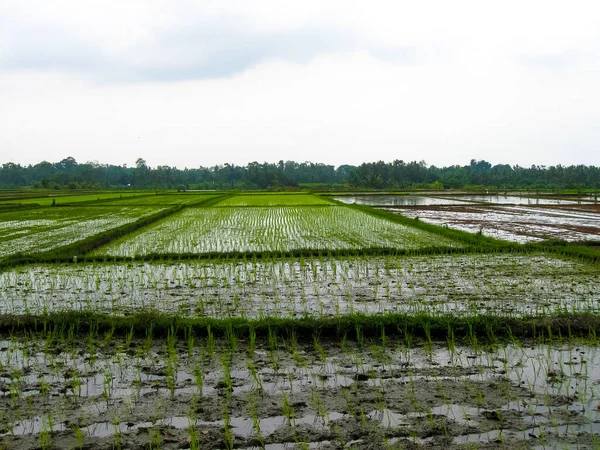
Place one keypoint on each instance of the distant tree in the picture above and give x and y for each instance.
(68, 173)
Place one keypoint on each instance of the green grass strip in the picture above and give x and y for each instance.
(481, 328)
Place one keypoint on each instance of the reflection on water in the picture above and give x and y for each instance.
(515, 200)
(398, 200)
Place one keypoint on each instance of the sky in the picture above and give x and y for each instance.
(199, 83)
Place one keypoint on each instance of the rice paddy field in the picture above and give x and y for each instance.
(290, 321)
(39, 230)
(512, 217)
(309, 287)
(520, 200)
(49, 199)
(162, 200)
(440, 199)
(398, 200)
(225, 229)
(274, 200)
(515, 223)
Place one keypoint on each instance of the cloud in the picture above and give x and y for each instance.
(188, 83)
(211, 51)
(197, 47)
(45, 48)
(347, 108)
(200, 52)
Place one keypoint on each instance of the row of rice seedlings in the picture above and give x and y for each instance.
(41, 230)
(469, 285)
(280, 229)
(544, 383)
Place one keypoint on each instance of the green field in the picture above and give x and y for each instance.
(274, 200)
(49, 199)
(163, 200)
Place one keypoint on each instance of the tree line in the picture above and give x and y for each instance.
(70, 174)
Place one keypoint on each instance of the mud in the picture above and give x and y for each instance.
(399, 200)
(522, 200)
(437, 199)
(595, 207)
(111, 392)
(508, 285)
(515, 223)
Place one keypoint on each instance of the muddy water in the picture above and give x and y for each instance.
(519, 200)
(104, 392)
(510, 285)
(514, 223)
(399, 200)
(440, 199)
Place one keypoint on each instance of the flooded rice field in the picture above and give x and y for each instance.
(522, 200)
(447, 199)
(504, 284)
(515, 223)
(39, 230)
(191, 392)
(270, 229)
(398, 200)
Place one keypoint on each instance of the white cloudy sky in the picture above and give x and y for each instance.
(190, 83)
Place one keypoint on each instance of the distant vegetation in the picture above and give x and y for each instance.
(70, 174)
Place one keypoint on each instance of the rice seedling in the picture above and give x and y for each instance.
(274, 229)
(42, 230)
(270, 289)
(414, 345)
